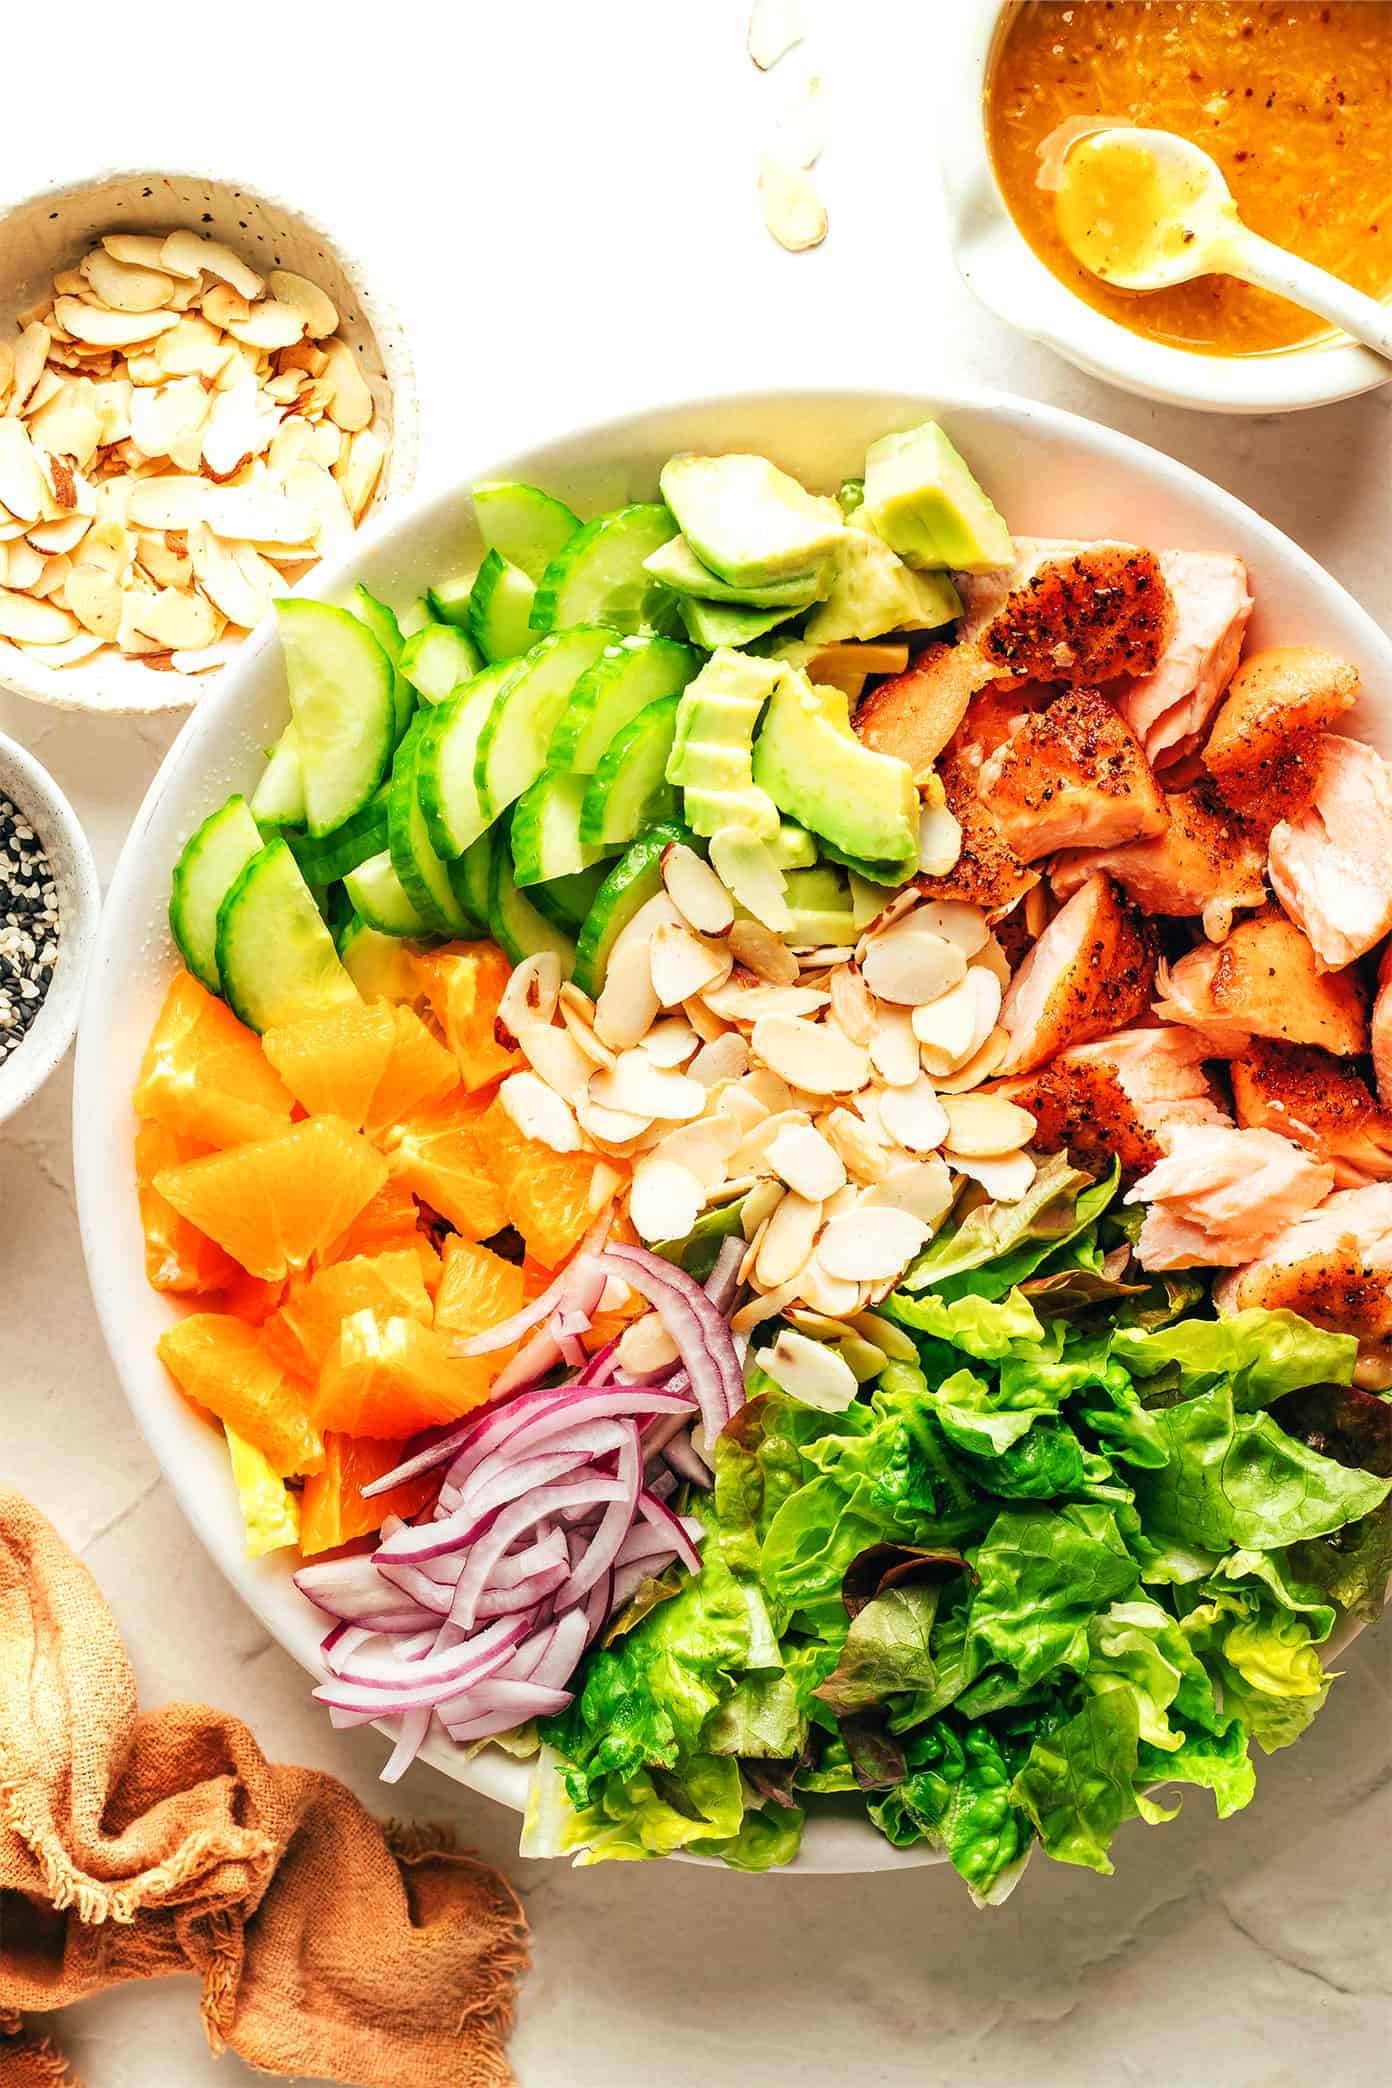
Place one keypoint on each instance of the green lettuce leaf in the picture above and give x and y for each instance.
(760, 1717)
(978, 1326)
(767, 1837)
(1079, 1783)
(1043, 1577)
(1260, 1355)
(956, 1795)
(1218, 1762)
(1015, 1238)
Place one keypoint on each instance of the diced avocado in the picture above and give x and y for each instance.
(850, 495)
(713, 624)
(676, 565)
(711, 755)
(813, 767)
(747, 520)
(874, 592)
(792, 847)
(820, 903)
(922, 499)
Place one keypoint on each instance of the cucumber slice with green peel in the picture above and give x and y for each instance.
(500, 608)
(545, 829)
(676, 565)
(436, 660)
(567, 900)
(448, 758)
(792, 847)
(340, 683)
(379, 965)
(515, 924)
(634, 879)
(512, 745)
(279, 798)
(417, 617)
(522, 524)
(422, 873)
(599, 577)
(623, 681)
(323, 862)
(629, 791)
(448, 600)
(379, 898)
(213, 858)
(472, 874)
(382, 623)
(712, 624)
(275, 956)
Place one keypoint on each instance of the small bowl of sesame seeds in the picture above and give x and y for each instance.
(49, 904)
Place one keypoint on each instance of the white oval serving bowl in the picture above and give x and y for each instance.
(1051, 473)
(998, 263)
(51, 230)
(33, 792)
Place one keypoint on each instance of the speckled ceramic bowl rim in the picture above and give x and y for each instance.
(997, 262)
(32, 791)
(54, 685)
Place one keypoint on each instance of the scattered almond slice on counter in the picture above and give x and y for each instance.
(799, 139)
(774, 27)
(794, 212)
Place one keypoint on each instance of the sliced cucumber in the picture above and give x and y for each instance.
(522, 524)
(275, 957)
(380, 898)
(629, 791)
(448, 754)
(379, 965)
(341, 697)
(323, 862)
(422, 873)
(472, 874)
(634, 879)
(500, 607)
(213, 858)
(512, 745)
(438, 659)
(382, 623)
(599, 576)
(728, 623)
(623, 681)
(567, 900)
(514, 923)
(417, 617)
(448, 600)
(279, 798)
(545, 829)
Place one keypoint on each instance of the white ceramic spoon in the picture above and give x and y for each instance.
(1144, 210)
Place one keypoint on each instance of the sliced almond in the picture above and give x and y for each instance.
(539, 1112)
(638, 1087)
(767, 1088)
(811, 1372)
(952, 1027)
(51, 385)
(708, 1026)
(704, 1148)
(532, 993)
(684, 965)
(123, 286)
(792, 205)
(51, 576)
(746, 867)
(923, 1188)
(173, 618)
(855, 1145)
(982, 1064)
(852, 1009)
(807, 1162)
(746, 1005)
(165, 558)
(812, 1056)
(914, 1116)
(616, 1129)
(358, 471)
(749, 1156)
(95, 600)
(317, 313)
(225, 307)
(759, 1206)
(886, 1336)
(164, 416)
(894, 1047)
(870, 1243)
(774, 27)
(30, 622)
(724, 1060)
(833, 1295)
(67, 653)
(628, 1003)
(1006, 1179)
(185, 254)
(956, 921)
(665, 1200)
(192, 348)
(671, 1042)
(764, 1305)
(761, 951)
(552, 1052)
(321, 494)
(136, 249)
(986, 1126)
(580, 1027)
(171, 501)
(742, 1109)
(909, 964)
(23, 564)
(30, 355)
(107, 329)
(257, 514)
(939, 840)
(235, 578)
(22, 484)
(268, 325)
(350, 405)
(238, 426)
(695, 890)
(992, 958)
(788, 1240)
(69, 425)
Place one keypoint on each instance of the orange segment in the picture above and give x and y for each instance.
(439, 1157)
(393, 1377)
(332, 1061)
(464, 984)
(418, 1072)
(478, 1289)
(275, 1202)
(249, 1298)
(546, 1195)
(332, 1509)
(177, 1256)
(389, 1219)
(223, 1366)
(204, 1074)
(300, 1335)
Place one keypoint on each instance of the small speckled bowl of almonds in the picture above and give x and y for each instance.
(199, 398)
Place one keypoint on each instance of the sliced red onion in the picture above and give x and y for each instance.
(578, 1288)
(596, 1607)
(663, 1483)
(614, 1524)
(485, 1652)
(512, 1703)
(484, 1555)
(503, 1602)
(409, 1742)
(675, 1526)
(723, 1280)
(682, 1456)
(695, 1325)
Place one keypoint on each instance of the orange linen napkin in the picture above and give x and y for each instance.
(135, 1844)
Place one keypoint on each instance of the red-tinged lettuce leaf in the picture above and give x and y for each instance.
(882, 1566)
(885, 1651)
(1014, 1238)
(876, 1757)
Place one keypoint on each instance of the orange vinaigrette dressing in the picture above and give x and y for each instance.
(1293, 99)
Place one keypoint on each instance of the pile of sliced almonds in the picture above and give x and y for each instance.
(830, 1088)
(180, 439)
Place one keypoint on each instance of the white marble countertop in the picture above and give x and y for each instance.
(560, 198)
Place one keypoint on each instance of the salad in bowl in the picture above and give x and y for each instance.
(773, 1140)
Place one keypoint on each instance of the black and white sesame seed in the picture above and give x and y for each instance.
(29, 925)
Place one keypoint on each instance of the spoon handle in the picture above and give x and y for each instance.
(1270, 267)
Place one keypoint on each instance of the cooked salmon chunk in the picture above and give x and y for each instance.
(1318, 1101)
(1264, 981)
(1222, 1196)
(1333, 1266)
(914, 714)
(1072, 776)
(1380, 1039)
(1091, 971)
(1206, 861)
(1168, 708)
(1278, 703)
(1331, 865)
(987, 873)
(1119, 1097)
(1071, 612)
